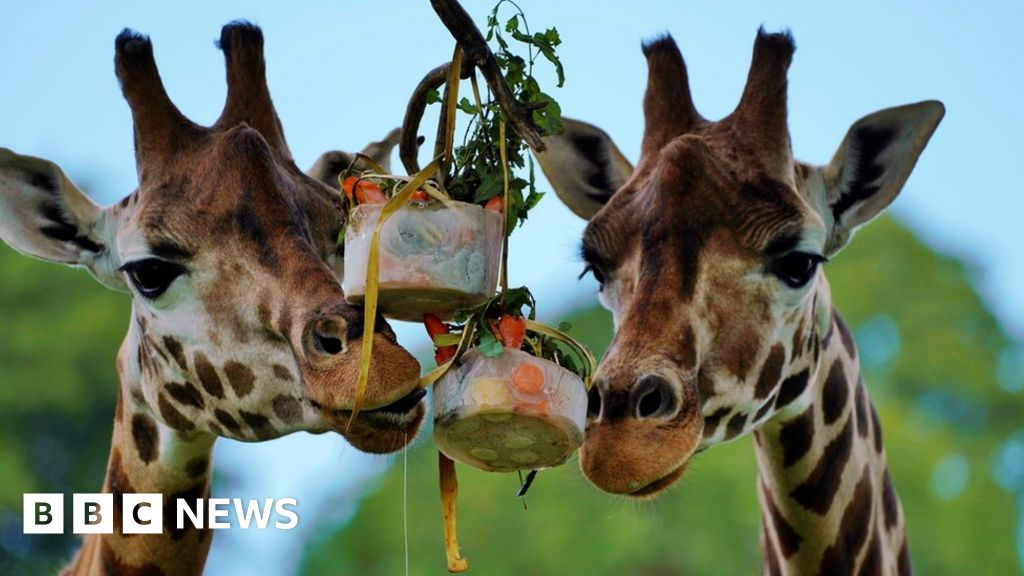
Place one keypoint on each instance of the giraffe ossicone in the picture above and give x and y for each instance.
(709, 255)
(239, 327)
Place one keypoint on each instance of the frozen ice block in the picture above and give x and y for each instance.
(515, 412)
(433, 258)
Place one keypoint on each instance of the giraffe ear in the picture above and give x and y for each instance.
(43, 214)
(330, 164)
(584, 167)
(872, 164)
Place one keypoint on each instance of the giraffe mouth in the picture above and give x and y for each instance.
(396, 415)
(660, 485)
(403, 405)
(385, 429)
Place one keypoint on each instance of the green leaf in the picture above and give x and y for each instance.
(489, 345)
(468, 107)
(489, 187)
(433, 97)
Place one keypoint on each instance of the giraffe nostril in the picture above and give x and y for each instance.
(325, 336)
(649, 404)
(593, 402)
(328, 344)
(653, 396)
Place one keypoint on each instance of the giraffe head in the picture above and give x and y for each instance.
(239, 326)
(709, 256)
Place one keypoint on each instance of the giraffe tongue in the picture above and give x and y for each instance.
(404, 404)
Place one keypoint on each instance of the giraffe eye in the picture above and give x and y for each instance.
(152, 276)
(796, 268)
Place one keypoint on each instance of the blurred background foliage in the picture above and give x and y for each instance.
(944, 376)
(59, 334)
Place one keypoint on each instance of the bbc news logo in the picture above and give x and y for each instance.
(144, 513)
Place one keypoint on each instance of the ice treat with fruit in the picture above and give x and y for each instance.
(516, 398)
(509, 413)
(434, 258)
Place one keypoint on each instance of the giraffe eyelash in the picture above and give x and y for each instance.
(593, 271)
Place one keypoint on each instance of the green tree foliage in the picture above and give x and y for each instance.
(59, 334)
(930, 351)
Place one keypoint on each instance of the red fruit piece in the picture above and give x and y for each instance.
(436, 328)
(496, 204)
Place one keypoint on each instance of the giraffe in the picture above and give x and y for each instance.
(239, 328)
(709, 255)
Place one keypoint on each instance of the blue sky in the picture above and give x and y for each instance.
(340, 73)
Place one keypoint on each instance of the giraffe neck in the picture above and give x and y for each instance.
(828, 504)
(148, 457)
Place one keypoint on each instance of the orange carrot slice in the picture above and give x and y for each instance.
(513, 330)
(528, 378)
(362, 190)
(368, 193)
(419, 196)
(348, 185)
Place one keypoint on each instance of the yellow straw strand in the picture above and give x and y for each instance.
(580, 349)
(400, 199)
(507, 210)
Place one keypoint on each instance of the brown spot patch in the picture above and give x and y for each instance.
(712, 421)
(287, 408)
(792, 388)
(903, 562)
(853, 530)
(771, 557)
(861, 406)
(172, 417)
(872, 563)
(174, 347)
(770, 372)
(890, 503)
(146, 437)
(764, 408)
(741, 357)
(876, 429)
(185, 393)
(735, 425)
(197, 467)
(118, 483)
(282, 373)
(835, 394)
(796, 437)
(190, 495)
(240, 377)
(227, 421)
(259, 423)
(844, 334)
(789, 540)
(819, 490)
(208, 375)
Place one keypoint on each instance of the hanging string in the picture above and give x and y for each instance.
(405, 499)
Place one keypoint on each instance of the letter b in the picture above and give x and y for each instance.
(43, 513)
(92, 514)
